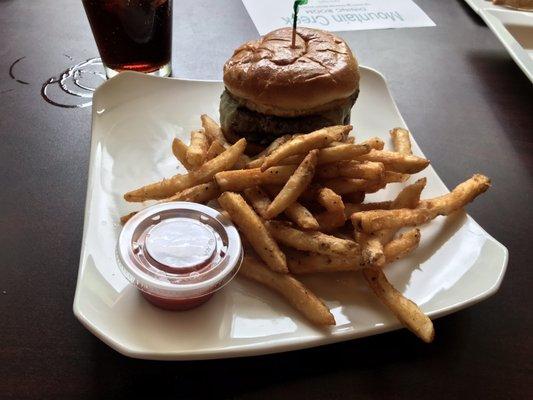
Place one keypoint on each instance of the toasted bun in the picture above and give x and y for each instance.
(271, 77)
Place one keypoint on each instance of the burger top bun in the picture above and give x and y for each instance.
(271, 77)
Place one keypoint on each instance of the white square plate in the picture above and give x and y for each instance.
(135, 118)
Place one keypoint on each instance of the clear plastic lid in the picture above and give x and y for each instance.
(179, 250)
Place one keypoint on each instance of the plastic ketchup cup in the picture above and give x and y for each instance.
(179, 254)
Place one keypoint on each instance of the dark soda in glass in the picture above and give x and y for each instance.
(132, 35)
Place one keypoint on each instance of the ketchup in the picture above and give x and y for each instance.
(179, 254)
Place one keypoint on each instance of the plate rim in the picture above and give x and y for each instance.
(250, 349)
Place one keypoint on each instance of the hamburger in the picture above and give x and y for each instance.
(273, 89)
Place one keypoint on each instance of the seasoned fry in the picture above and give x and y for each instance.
(305, 143)
(405, 163)
(300, 262)
(255, 232)
(459, 197)
(167, 187)
(402, 245)
(179, 149)
(372, 221)
(296, 212)
(349, 185)
(352, 169)
(374, 143)
(258, 199)
(330, 155)
(197, 194)
(351, 208)
(371, 251)
(330, 200)
(241, 179)
(401, 141)
(391, 176)
(329, 221)
(212, 130)
(216, 148)
(316, 242)
(409, 197)
(259, 158)
(197, 151)
(307, 263)
(301, 216)
(289, 287)
(295, 185)
(404, 309)
(127, 217)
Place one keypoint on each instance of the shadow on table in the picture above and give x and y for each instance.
(504, 82)
(348, 367)
(473, 15)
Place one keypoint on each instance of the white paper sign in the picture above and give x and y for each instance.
(337, 15)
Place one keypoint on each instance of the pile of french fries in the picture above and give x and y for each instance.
(299, 206)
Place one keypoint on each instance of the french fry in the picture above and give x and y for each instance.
(330, 200)
(197, 150)
(201, 193)
(459, 197)
(213, 131)
(255, 232)
(305, 143)
(407, 312)
(259, 158)
(290, 288)
(197, 194)
(307, 263)
(350, 140)
(374, 143)
(296, 212)
(401, 141)
(127, 217)
(372, 254)
(295, 186)
(391, 177)
(316, 242)
(464, 193)
(409, 197)
(372, 221)
(351, 208)
(238, 180)
(258, 199)
(342, 186)
(330, 155)
(300, 262)
(402, 245)
(179, 149)
(329, 221)
(404, 163)
(352, 169)
(204, 174)
(301, 216)
(216, 148)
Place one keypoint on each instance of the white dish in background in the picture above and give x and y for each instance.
(135, 118)
(479, 5)
(515, 30)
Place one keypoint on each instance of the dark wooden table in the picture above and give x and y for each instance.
(468, 104)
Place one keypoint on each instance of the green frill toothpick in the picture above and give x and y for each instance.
(297, 4)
